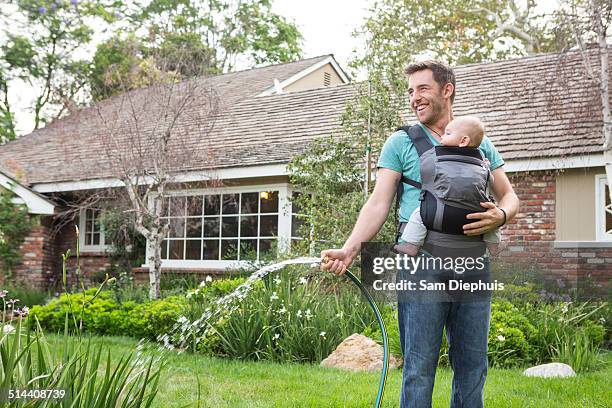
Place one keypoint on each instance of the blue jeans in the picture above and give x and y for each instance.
(467, 329)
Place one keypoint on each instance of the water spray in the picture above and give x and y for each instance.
(183, 328)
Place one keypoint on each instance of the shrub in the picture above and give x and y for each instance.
(294, 318)
(105, 316)
(509, 336)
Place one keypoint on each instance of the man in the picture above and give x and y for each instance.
(431, 91)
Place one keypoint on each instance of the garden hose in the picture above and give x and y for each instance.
(383, 331)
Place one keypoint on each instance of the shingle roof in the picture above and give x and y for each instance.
(510, 96)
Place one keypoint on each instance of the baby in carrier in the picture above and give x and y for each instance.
(467, 131)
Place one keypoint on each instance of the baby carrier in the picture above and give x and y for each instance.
(454, 181)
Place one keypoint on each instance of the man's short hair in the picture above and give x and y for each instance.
(442, 72)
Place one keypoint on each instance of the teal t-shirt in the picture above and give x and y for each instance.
(399, 154)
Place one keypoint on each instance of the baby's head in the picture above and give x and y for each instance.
(464, 131)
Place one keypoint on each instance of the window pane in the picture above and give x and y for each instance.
(248, 249)
(249, 203)
(194, 227)
(230, 203)
(192, 249)
(176, 249)
(296, 224)
(266, 245)
(211, 204)
(229, 249)
(230, 227)
(164, 249)
(194, 205)
(88, 223)
(211, 250)
(269, 201)
(177, 227)
(96, 225)
(165, 206)
(248, 226)
(96, 238)
(177, 206)
(211, 227)
(88, 239)
(268, 225)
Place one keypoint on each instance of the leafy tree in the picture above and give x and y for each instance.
(42, 40)
(14, 226)
(212, 34)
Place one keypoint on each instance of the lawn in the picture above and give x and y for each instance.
(230, 383)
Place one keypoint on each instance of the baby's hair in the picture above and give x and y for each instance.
(474, 128)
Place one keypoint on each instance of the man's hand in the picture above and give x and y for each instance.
(337, 261)
(489, 220)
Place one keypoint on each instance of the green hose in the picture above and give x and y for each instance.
(383, 331)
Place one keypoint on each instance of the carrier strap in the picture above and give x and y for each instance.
(422, 143)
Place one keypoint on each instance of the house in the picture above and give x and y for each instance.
(540, 113)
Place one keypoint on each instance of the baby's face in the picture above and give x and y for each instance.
(454, 136)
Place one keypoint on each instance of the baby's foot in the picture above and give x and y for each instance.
(406, 248)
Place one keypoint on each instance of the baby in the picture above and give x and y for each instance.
(466, 131)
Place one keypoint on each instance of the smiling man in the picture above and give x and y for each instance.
(431, 93)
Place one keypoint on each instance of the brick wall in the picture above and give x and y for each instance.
(37, 266)
(530, 236)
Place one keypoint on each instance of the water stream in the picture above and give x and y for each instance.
(184, 330)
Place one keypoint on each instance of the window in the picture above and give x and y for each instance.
(604, 209)
(222, 227)
(91, 231)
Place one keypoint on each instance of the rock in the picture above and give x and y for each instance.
(550, 370)
(358, 353)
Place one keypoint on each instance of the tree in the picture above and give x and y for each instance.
(590, 22)
(148, 136)
(41, 49)
(14, 227)
(212, 34)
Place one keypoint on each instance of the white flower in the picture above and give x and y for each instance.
(208, 278)
(282, 310)
(8, 329)
(299, 313)
(564, 308)
(303, 281)
(277, 280)
(274, 296)
(322, 334)
(276, 336)
(202, 284)
(308, 315)
(501, 338)
(189, 295)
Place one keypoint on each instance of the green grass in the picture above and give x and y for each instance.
(231, 383)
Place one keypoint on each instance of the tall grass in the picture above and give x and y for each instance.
(72, 374)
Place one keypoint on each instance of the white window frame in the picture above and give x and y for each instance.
(102, 247)
(284, 224)
(600, 200)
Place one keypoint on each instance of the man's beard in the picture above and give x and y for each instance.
(436, 111)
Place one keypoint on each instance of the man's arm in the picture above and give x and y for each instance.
(494, 217)
(371, 218)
